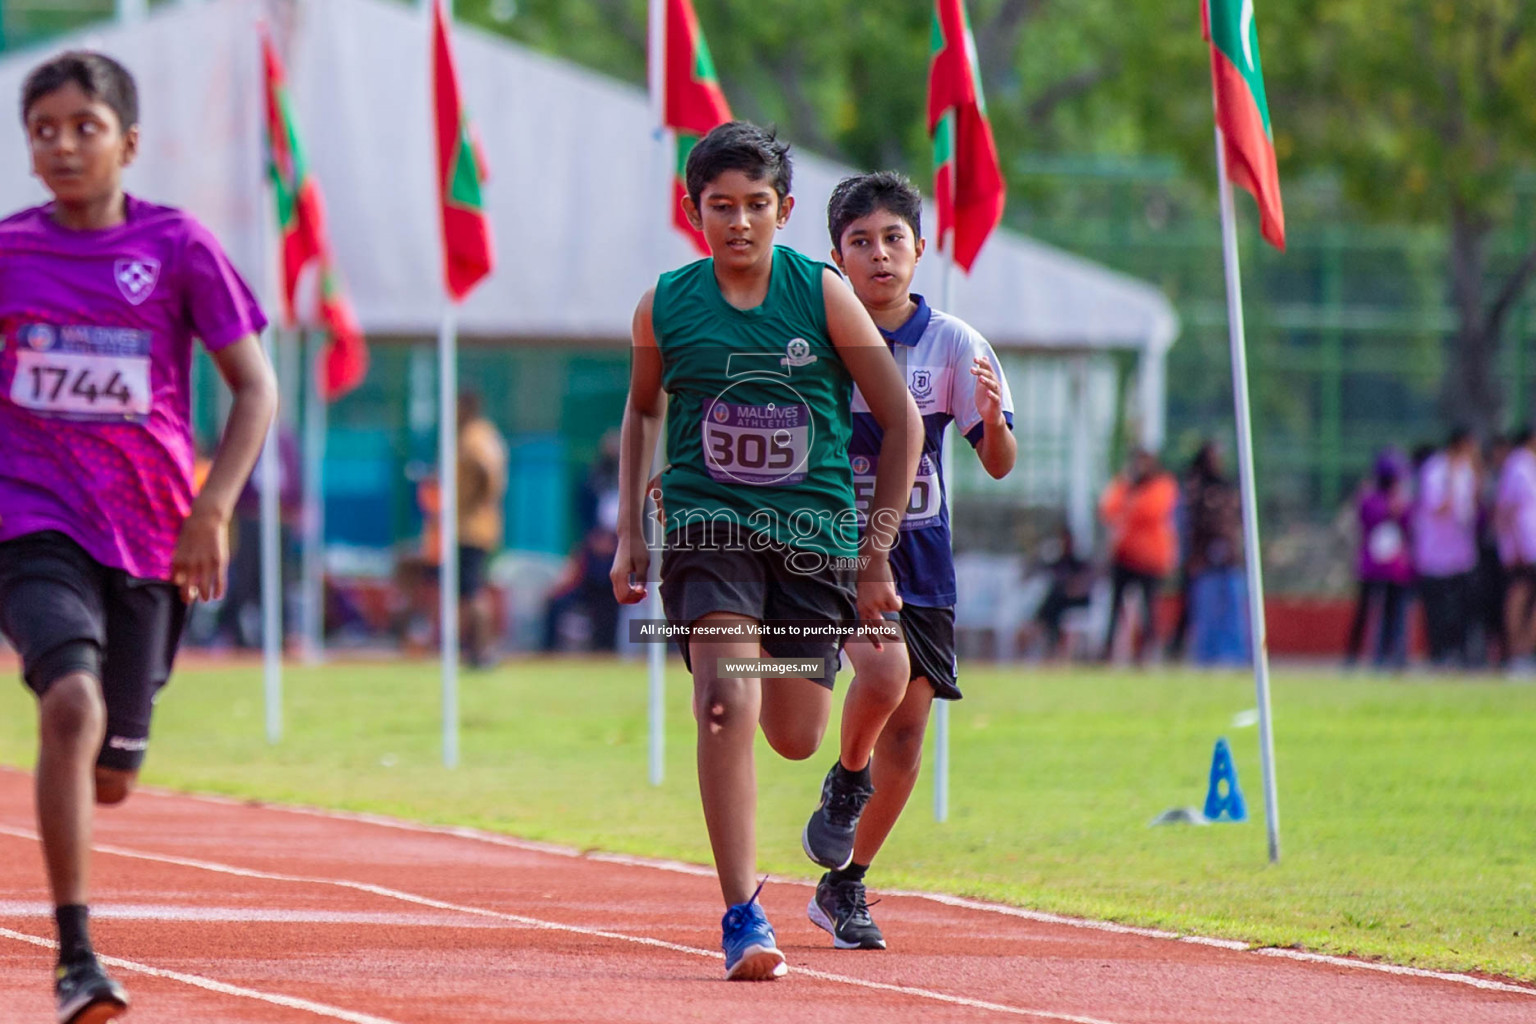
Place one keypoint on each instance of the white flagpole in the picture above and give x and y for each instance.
(1249, 497)
(448, 505)
(941, 707)
(312, 552)
(656, 651)
(448, 526)
(268, 476)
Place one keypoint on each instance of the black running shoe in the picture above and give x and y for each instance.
(828, 836)
(86, 995)
(840, 910)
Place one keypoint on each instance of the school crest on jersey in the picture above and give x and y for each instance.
(797, 353)
(136, 278)
(922, 384)
(38, 337)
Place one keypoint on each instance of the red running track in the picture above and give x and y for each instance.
(217, 912)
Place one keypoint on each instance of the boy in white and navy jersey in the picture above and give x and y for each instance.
(954, 377)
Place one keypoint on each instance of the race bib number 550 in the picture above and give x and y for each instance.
(924, 504)
(97, 373)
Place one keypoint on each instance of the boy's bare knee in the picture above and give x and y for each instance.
(720, 704)
(113, 786)
(72, 707)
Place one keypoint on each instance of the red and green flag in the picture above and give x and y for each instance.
(968, 177)
(461, 172)
(1242, 112)
(301, 222)
(693, 102)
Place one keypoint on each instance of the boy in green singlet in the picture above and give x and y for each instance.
(752, 356)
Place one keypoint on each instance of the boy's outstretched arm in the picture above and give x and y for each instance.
(873, 369)
(201, 559)
(997, 448)
(644, 410)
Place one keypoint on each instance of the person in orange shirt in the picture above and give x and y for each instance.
(1137, 508)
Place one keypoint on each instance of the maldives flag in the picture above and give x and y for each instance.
(693, 102)
(968, 178)
(461, 173)
(1242, 112)
(301, 222)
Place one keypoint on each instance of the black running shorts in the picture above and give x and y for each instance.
(930, 635)
(703, 573)
(65, 612)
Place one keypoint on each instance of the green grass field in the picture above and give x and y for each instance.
(1408, 807)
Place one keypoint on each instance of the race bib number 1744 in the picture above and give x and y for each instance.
(95, 373)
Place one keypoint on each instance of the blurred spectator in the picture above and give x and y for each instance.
(597, 498)
(1137, 507)
(482, 473)
(239, 617)
(582, 601)
(1071, 586)
(1218, 595)
(1180, 635)
(1515, 528)
(1491, 642)
(482, 496)
(1445, 544)
(1384, 568)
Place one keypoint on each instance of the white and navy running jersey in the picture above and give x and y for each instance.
(934, 351)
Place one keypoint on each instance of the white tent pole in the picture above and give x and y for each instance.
(448, 526)
(941, 707)
(269, 471)
(1079, 464)
(312, 551)
(656, 651)
(1249, 497)
(1152, 395)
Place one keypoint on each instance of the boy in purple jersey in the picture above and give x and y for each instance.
(952, 373)
(102, 542)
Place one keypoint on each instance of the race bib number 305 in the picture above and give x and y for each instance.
(761, 445)
(96, 373)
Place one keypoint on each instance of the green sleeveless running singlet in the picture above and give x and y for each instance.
(758, 418)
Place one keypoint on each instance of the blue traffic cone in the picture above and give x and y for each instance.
(1228, 804)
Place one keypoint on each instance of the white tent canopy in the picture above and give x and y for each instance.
(573, 180)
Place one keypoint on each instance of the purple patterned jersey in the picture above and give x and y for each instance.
(96, 332)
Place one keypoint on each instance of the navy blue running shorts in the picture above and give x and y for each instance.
(930, 635)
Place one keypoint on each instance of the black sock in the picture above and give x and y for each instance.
(851, 873)
(74, 933)
(860, 777)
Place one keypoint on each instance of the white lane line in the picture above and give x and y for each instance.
(557, 926)
(208, 984)
(979, 1004)
(242, 915)
(1371, 965)
(679, 867)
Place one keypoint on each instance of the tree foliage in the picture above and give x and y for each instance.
(1420, 110)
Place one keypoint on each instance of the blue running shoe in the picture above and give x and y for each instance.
(751, 954)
